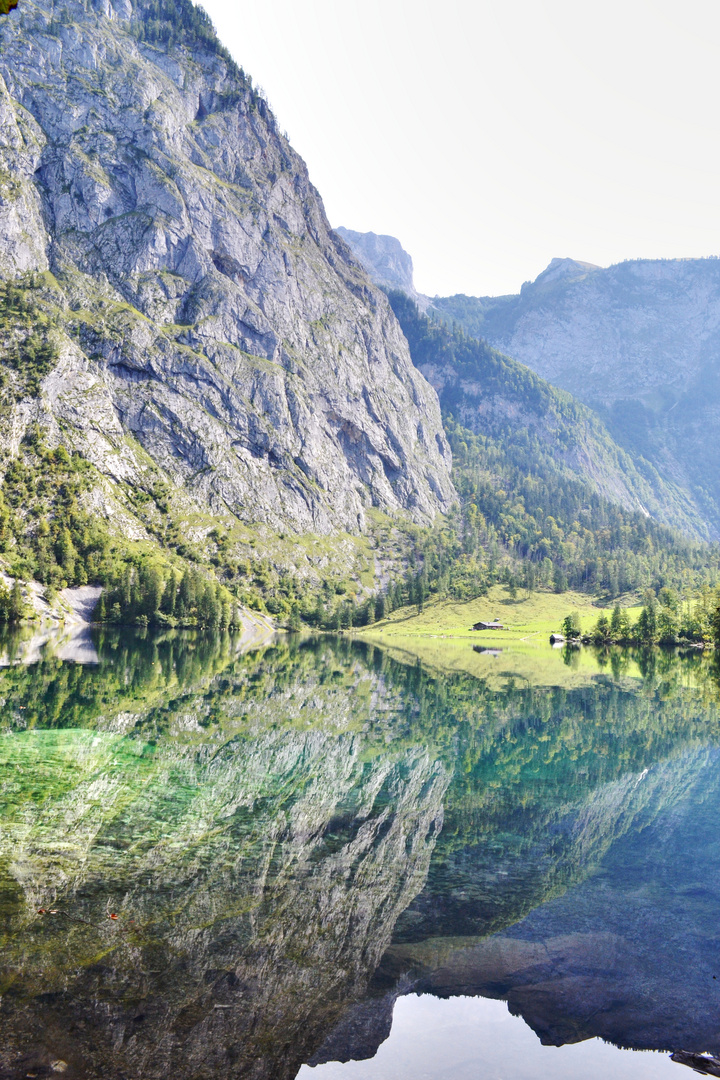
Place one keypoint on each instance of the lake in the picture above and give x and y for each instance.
(324, 860)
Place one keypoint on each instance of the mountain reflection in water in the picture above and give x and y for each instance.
(216, 863)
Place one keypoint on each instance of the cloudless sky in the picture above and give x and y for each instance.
(492, 136)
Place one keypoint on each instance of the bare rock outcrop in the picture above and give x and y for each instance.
(207, 314)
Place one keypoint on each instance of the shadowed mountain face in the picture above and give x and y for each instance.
(209, 328)
(500, 398)
(212, 862)
(639, 342)
(525, 421)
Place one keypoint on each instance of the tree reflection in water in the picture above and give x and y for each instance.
(215, 862)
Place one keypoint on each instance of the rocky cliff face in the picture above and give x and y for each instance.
(385, 259)
(640, 342)
(210, 325)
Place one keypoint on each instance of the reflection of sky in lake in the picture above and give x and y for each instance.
(476, 1039)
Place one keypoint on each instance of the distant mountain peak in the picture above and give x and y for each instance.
(385, 259)
(638, 342)
(563, 268)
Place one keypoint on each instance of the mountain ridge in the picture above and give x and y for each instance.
(386, 261)
(638, 342)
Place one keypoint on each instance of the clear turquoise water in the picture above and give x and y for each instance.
(316, 860)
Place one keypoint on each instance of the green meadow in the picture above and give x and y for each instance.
(441, 638)
(526, 617)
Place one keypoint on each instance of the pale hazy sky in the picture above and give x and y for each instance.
(494, 135)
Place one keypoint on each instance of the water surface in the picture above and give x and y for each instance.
(245, 864)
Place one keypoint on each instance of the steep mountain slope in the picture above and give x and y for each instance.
(495, 396)
(541, 481)
(205, 325)
(639, 342)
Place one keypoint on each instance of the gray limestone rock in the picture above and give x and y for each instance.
(222, 327)
(383, 257)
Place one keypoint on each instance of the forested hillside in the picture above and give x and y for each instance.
(639, 342)
(493, 395)
(526, 513)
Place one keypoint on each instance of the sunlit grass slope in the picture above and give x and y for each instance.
(527, 617)
(440, 637)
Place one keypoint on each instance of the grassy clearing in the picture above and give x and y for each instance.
(526, 618)
(440, 637)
